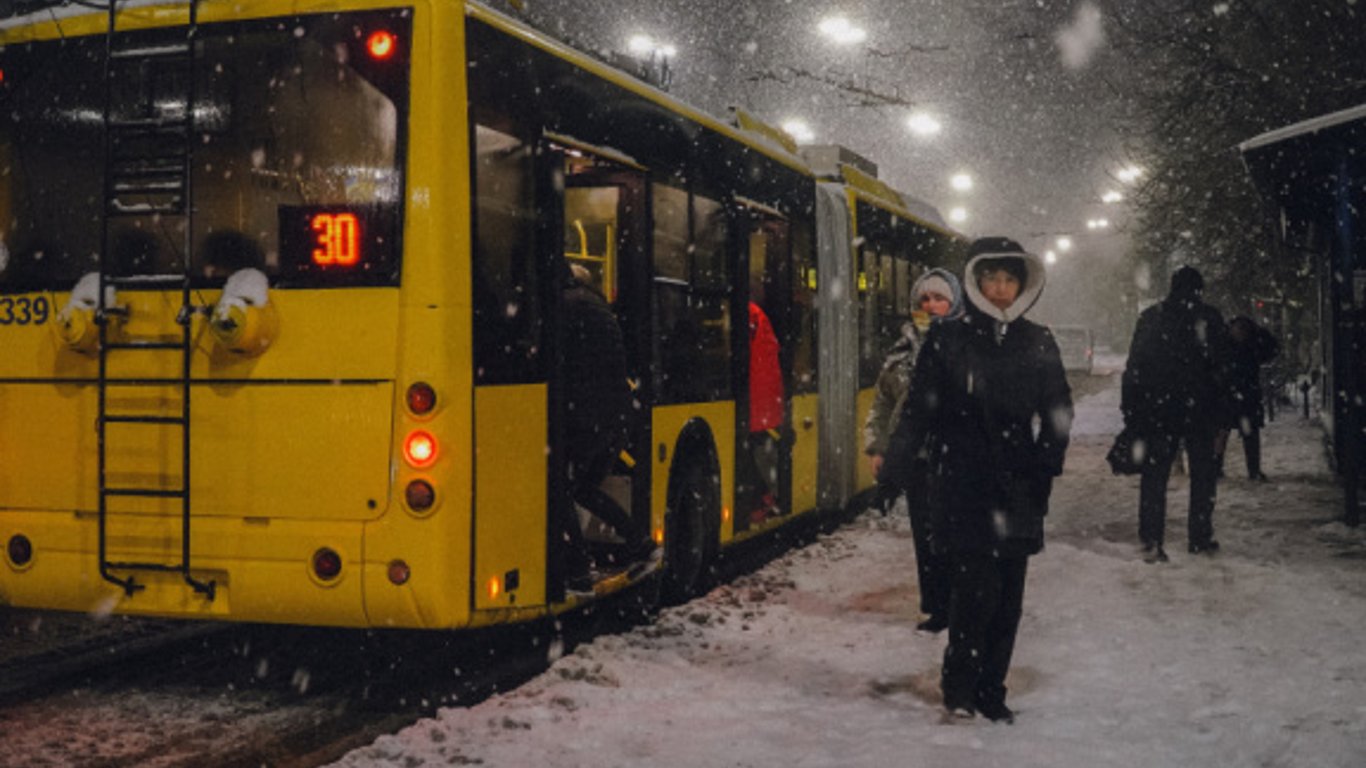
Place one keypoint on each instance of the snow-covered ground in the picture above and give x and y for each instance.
(1252, 657)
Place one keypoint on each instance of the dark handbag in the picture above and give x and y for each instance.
(1132, 453)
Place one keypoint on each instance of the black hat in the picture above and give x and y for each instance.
(998, 245)
(1187, 281)
(1001, 253)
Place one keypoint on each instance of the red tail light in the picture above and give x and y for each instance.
(399, 573)
(420, 495)
(381, 44)
(420, 449)
(421, 398)
(327, 564)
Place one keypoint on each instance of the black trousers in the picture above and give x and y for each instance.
(1152, 494)
(984, 617)
(932, 570)
(1252, 450)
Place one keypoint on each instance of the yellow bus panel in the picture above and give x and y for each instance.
(805, 452)
(510, 515)
(260, 567)
(668, 423)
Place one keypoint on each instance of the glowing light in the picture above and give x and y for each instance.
(640, 44)
(1130, 174)
(495, 588)
(961, 182)
(799, 130)
(1050, 257)
(842, 31)
(338, 239)
(420, 449)
(381, 44)
(922, 124)
(668, 50)
(1064, 244)
(958, 215)
(1111, 197)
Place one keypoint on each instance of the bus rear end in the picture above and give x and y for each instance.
(232, 470)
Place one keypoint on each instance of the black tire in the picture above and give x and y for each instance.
(690, 532)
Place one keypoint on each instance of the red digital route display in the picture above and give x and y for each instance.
(338, 245)
(338, 239)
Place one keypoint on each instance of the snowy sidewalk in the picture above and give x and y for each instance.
(1252, 657)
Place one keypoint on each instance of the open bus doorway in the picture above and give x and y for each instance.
(599, 395)
(764, 436)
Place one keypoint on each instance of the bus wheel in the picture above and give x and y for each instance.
(689, 533)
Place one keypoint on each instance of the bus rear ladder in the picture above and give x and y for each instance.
(147, 173)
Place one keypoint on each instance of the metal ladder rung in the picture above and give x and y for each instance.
(172, 51)
(146, 493)
(117, 208)
(148, 187)
(146, 281)
(127, 419)
(150, 124)
(147, 567)
(146, 346)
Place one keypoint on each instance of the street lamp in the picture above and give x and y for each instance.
(1064, 244)
(842, 31)
(922, 124)
(961, 182)
(1111, 197)
(1050, 257)
(655, 57)
(958, 215)
(1129, 174)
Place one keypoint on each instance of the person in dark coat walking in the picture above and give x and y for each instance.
(597, 405)
(1252, 346)
(1175, 389)
(990, 411)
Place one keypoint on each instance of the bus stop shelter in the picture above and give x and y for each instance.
(1313, 177)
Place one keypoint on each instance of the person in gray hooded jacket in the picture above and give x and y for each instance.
(936, 297)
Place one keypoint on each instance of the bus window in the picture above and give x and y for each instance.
(671, 232)
(711, 295)
(692, 295)
(870, 348)
(268, 146)
(507, 324)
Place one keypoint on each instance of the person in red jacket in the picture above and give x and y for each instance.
(759, 470)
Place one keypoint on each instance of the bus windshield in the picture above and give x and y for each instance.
(296, 121)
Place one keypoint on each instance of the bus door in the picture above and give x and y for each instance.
(764, 438)
(603, 218)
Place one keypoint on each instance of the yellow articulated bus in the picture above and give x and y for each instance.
(280, 301)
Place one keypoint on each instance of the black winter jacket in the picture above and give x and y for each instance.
(1245, 369)
(990, 410)
(597, 396)
(1177, 377)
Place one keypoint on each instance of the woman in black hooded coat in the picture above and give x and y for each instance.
(990, 410)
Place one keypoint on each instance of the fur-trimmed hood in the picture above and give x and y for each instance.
(1030, 291)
